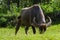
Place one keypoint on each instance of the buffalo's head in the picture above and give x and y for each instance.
(43, 26)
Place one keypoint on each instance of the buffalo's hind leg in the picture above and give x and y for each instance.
(34, 31)
(26, 29)
(17, 26)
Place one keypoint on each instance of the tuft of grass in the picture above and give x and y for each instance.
(52, 33)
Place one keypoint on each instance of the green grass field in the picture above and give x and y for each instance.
(52, 33)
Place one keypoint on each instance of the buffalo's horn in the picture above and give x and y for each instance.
(50, 21)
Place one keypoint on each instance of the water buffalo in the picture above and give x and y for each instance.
(32, 16)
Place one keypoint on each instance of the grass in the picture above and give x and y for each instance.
(52, 33)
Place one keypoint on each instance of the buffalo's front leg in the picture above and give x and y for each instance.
(44, 29)
(41, 30)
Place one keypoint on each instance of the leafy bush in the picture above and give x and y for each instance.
(3, 22)
(52, 9)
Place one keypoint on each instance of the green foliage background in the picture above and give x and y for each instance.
(50, 8)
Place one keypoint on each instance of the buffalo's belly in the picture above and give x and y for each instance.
(26, 20)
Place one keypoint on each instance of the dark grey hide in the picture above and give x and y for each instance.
(32, 16)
